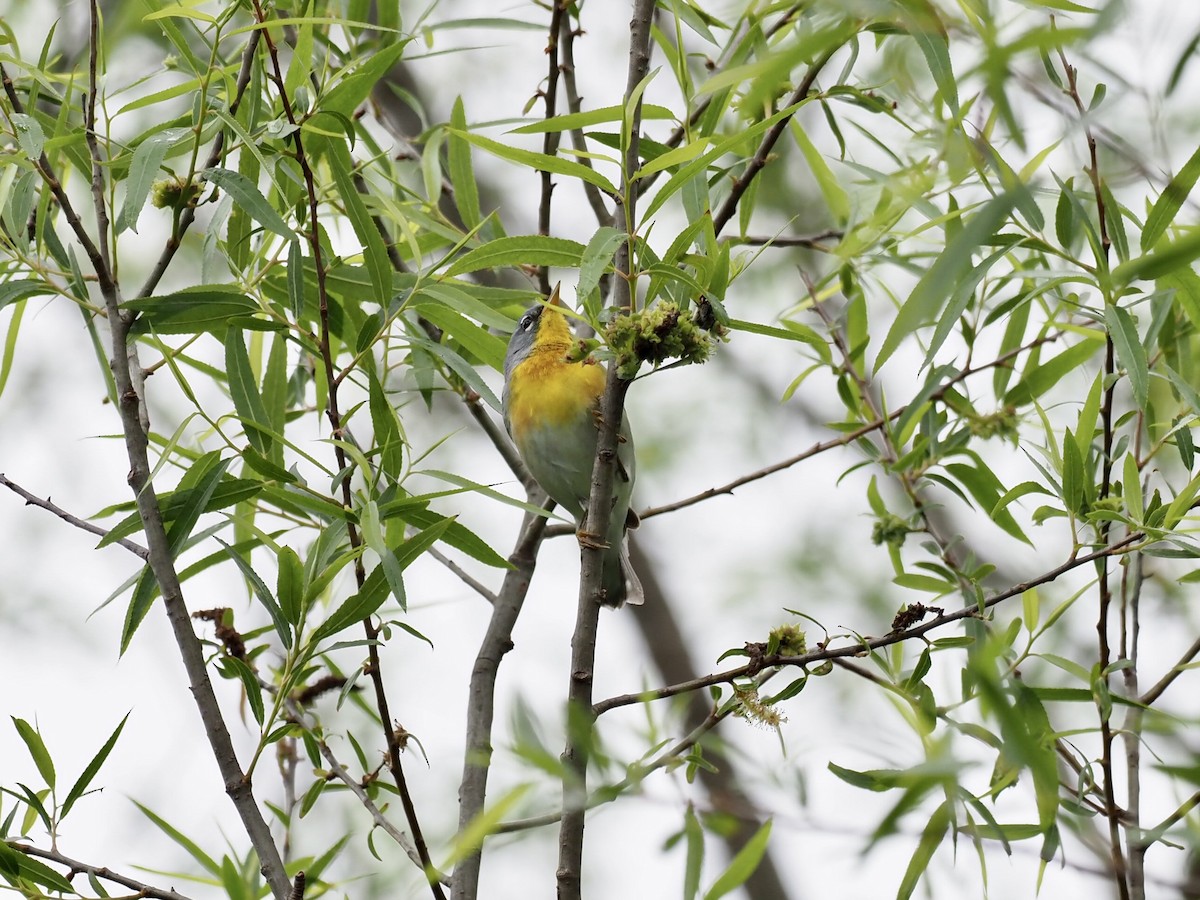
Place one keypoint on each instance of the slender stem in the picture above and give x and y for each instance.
(32, 500)
(127, 377)
(612, 406)
(762, 155)
(860, 647)
(333, 413)
(551, 139)
(101, 872)
(1120, 866)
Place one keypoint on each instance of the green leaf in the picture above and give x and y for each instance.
(37, 749)
(193, 849)
(244, 390)
(471, 838)
(12, 291)
(695, 854)
(938, 284)
(204, 308)
(30, 137)
(81, 784)
(265, 597)
(374, 591)
(596, 258)
(931, 839)
(521, 250)
(29, 869)
(1167, 206)
(921, 21)
(743, 864)
(246, 194)
(1045, 376)
(232, 667)
(462, 174)
(341, 163)
(143, 172)
(1130, 351)
(1163, 260)
(540, 162)
(833, 193)
(571, 121)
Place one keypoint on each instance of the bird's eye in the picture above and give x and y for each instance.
(526, 322)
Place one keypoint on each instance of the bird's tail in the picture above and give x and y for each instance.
(621, 584)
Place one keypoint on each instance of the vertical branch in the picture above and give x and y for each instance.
(1112, 812)
(497, 641)
(392, 739)
(581, 719)
(551, 139)
(127, 375)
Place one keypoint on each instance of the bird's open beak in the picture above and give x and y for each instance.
(555, 298)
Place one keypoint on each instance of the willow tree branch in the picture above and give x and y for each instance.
(612, 409)
(33, 500)
(481, 704)
(333, 414)
(126, 374)
(100, 872)
(1125, 889)
(757, 162)
(567, 36)
(859, 648)
(551, 138)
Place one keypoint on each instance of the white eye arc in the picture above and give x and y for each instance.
(526, 322)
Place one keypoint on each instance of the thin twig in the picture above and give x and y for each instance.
(333, 413)
(864, 646)
(102, 872)
(741, 183)
(481, 705)
(848, 438)
(1152, 695)
(32, 500)
(1121, 873)
(551, 138)
(567, 36)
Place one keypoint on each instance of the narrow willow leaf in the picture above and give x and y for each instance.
(462, 174)
(1165, 259)
(247, 196)
(931, 838)
(596, 257)
(540, 162)
(265, 597)
(571, 121)
(244, 390)
(37, 750)
(93, 767)
(1130, 351)
(374, 250)
(938, 284)
(531, 249)
(743, 864)
(1167, 206)
(143, 171)
(1045, 376)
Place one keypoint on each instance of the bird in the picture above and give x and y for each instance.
(552, 413)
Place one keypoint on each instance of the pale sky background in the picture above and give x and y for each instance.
(719, 562)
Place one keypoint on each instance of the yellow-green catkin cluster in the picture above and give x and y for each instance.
(788, 640)
(655, 336)
(172, 193)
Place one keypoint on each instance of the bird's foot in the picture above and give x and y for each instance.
(591, 541)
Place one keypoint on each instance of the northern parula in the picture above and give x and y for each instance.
(551, 410)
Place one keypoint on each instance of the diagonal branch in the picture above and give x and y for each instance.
(33, 500)
(97, 872)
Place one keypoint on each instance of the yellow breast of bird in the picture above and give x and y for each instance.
(545, 391)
